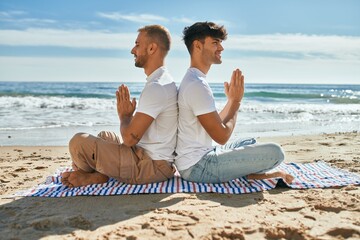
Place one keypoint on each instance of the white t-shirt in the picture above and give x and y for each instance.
(159, 100)
(194, 98)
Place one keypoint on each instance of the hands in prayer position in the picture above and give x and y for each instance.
(125, 107)
(234, 90)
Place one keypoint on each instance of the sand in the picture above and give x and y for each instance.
(332, 213)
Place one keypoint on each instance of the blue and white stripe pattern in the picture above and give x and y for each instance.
(307, 175)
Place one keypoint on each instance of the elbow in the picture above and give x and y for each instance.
(220, 142)
(129, 139)
(222, 139)
(221, 136)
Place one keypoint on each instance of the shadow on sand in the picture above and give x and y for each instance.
(37, 217)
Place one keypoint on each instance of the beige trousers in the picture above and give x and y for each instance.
(106, 154)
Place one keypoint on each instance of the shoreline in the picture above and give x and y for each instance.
(331, 213)
(60, 136)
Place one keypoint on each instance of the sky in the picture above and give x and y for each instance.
(278, 41)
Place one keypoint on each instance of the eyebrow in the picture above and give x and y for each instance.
(217, 39)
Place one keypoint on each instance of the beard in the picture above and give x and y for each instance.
(212, 57)
(217, 60)
(141, 60)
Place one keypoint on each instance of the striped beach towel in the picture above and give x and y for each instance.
(307, 175)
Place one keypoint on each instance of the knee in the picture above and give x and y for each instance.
(277, 152)
(109, 136)
(104, 135)
(272, 151)
(78, 137)
(76, 141)
(81, 149)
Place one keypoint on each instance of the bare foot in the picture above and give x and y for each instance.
(80, 178)
(288, 178)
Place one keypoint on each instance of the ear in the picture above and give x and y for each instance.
(197, 45)
(152, 48)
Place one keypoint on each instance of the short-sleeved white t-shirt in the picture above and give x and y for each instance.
(194, 98)
(159, 100)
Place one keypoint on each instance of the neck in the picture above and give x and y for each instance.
(204, 68)
(153, 65)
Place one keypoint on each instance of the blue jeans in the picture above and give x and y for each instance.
(234, 160)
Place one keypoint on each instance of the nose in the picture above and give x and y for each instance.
(132, 50)
(221, 48)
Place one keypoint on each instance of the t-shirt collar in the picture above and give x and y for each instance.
(197, 72)
(156, 74)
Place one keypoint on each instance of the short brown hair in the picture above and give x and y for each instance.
(159, 34)
(201, 30)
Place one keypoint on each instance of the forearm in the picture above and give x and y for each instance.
(128, 137)
(229, 111)
(224, 111)
(221, 126)
(228, 116)
(219, 129)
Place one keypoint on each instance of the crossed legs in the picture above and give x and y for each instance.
(85, 173)
(288, 178)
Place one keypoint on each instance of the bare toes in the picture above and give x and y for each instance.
(65, 175)
(65, 179)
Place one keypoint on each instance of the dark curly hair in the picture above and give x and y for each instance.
(201, 30)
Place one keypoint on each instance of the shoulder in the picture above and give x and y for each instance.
(194, 87)
(159, 93)
(160, 89)
(163, 81)
(152, 93)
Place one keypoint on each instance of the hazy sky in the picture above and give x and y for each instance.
(277, 41)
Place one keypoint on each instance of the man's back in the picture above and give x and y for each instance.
(159, 100)
(195, 98)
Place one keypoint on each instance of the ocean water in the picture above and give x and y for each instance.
(48, 113)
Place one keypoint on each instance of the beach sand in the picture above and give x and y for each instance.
(282, 213)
